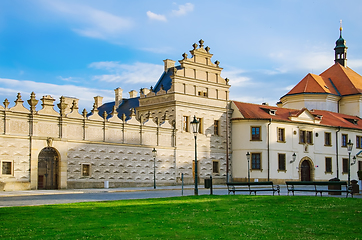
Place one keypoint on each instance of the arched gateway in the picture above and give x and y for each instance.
(48, 168)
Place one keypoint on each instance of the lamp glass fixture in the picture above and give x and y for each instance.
(195, 125)
(154, 152)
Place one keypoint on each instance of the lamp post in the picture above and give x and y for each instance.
(248, 158)
(349, 149)
(154, 154)
(195, 130)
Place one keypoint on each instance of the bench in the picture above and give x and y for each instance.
(252, 187)
(319, 187)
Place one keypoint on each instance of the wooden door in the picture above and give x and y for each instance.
(305, 171)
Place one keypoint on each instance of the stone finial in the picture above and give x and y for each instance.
(151, 89)
(184, 56)
(105, 115)
(84, 113)
(62, 106)
(32, 102)
(207, 49)
(74, 106)
(18, 99)
(132, 112)
(6, 103)
(124, 117)
(174, 70)
(195, 46)
(217, 63)
(227, 81)
(201, 43)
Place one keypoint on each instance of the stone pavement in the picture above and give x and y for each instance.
(43, 197)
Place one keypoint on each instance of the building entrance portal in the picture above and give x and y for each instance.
(305, 171)
(48, 168)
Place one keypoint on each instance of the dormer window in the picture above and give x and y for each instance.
(272, 112)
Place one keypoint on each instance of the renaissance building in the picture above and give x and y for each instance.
(48, 145)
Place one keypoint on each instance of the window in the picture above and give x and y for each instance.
(281, 135)
(359, 165)
(305, 136)
(215, 167)
(327, 139)
(185, 123)
(358, 141)
(328, 165)
(6, 168)
(281, 162)
(200, 125)
(85, 170)
(255, 161)
(344, 140)
(255, 134)
(345, 165)
(216, 127)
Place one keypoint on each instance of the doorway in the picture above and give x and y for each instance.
(305, 174)
(48, 168)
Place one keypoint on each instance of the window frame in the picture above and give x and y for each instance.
(358, 142)
(327, 139)
(201, 125)
(217, 163)
(11, 168)
(283, 161)
(305, 137)
(258, 138)
(185, 123)
(252, 159)
(281, 135)
(328, 165)
(216, 127)
(344, 165)
(344, 140)
(89, 169)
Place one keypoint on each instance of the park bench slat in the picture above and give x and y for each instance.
(252, 187)
(291, 187)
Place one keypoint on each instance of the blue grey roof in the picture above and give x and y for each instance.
(124, 107)
(127, 104)
(165, 80)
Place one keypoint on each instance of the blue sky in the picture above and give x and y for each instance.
(87, 48)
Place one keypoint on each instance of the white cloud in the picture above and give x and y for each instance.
(25, 87)
(154, 16)
(126, 73)
(310, 61)
(92, 22)
(236, 78)
(183, 9)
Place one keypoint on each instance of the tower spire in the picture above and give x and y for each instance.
(340, 51)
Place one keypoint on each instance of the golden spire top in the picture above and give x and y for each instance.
(340, 25)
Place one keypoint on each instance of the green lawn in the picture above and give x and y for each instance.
(193, 217)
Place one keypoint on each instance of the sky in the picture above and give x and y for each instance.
(88, 48)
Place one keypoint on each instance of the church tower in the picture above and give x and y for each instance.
(340, 51)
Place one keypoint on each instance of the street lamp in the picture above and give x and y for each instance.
(248, 158)
(195, 130)
(154, 154)
(349, 149)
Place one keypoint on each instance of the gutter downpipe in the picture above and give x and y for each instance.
(339, 129)
(270, 120)
(227, 142)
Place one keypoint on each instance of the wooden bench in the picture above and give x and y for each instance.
(319, 187)
(252, 187)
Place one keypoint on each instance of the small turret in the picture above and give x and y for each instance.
(340, 51)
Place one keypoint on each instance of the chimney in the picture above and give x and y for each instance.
(133, 94)
(168, 64)
(98, 101)
(118, 96)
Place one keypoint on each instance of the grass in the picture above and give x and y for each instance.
(200, 217)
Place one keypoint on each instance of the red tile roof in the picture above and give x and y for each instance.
(336, 80)
(255, 111)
